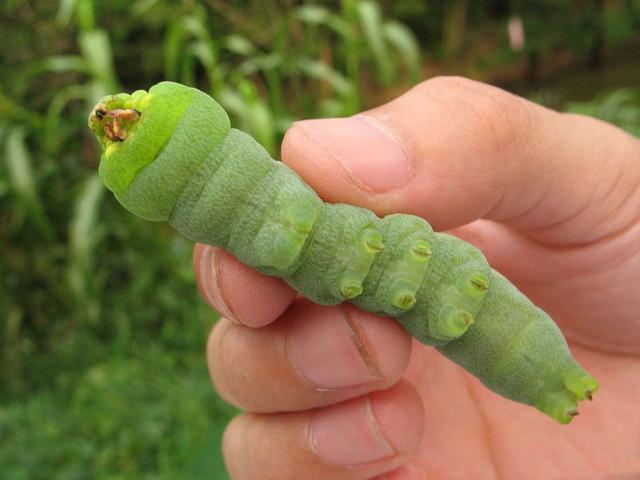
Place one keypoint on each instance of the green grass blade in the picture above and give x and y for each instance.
(172, 50)
(320, 16)
(64, 63)
(96, 50)
(85, 16)
(22, 180)
(240, 45)
(321, 71)
(253, 114)
(51, 133)
(83, 230)
(402, 39)
(65, 11)
(264, 63)
(620, 107)
(143, 6)
(370, 16)
(84, 235)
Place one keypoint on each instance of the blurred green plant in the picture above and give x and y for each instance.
(620, 107)
(322, 73)
(136, 417)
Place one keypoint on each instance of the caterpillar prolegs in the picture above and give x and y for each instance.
(171, 155)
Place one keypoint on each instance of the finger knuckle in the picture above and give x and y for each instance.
(501, 118)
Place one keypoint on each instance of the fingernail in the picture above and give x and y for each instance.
(210, 283)
(348, 434)
(327, 351)
(372, 155)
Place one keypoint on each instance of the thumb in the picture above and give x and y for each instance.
(453, 150)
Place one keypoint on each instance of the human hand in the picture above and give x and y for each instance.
(552, 200)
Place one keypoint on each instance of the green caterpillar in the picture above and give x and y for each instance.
(171, 155)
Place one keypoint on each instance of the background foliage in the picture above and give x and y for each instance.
(102, 331)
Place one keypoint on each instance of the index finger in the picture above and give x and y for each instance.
(452, 151)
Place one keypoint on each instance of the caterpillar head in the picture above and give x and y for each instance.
(153, 142)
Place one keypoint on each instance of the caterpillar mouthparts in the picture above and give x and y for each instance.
(116, 122)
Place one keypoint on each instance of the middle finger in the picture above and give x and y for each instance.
(310, 357)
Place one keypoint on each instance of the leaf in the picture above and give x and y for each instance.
(22, 181)
(84, 234)
(96, 50)
(65, 11)
(196, 27)
(370, 17)
(332, 107)
(262, 125)
(312, 14)
(205, 54)
(252, 112)
(263, 63)
(322, 71)
(64, 63)
(240, 45)
(620, 107)
(143, 6)
(83, 229)
(173, 50)
(405, 43)
(85, 16)
(317, 16)
(51, 134)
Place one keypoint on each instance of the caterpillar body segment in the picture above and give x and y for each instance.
(390, 287)
(207, 209)
(171, 155)
(339, 254)
(525, 358)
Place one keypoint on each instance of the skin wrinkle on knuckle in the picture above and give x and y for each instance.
(610, 189)
(518, 119)
(631, 157)
(634, 197)
(513, 127)
(508, 119)
(509, 123)
(499, 117)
